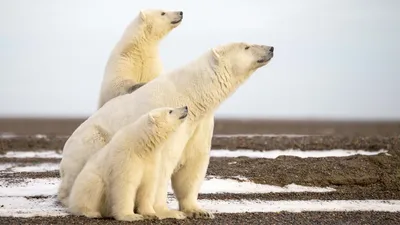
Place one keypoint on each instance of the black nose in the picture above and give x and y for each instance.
(271, 49)
(181, 13)
(186, 108)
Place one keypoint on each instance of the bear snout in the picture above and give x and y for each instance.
(178, 17)
(184, 112)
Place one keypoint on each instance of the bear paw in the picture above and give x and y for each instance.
(173, 214)
(92, 214)
(150, 216)
(129, 217)
(199, 214)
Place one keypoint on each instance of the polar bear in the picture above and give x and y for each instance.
(123, 175)
(202, 85)
(135, 59)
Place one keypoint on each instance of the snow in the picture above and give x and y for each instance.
(31, 154)
(43, 167)
(272, 154)
(217, 185)
(19, 167)
(23, 207)
(29, 187)
(7, 135)
(5, 166)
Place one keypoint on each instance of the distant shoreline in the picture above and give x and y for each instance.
(65, 126)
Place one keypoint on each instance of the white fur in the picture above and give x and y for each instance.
(135, 58)
(123, 175)
(201, 85)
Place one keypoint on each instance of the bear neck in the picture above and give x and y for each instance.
(133, 54)
(209, 85)
(150, 135)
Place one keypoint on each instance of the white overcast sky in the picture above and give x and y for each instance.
(335, 59)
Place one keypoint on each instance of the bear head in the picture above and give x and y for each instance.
(242, 59)
(158, 23)
(166, 119)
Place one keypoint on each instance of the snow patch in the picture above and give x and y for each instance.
(24, 207)
(43, 167)
(218, 185)
(29, 187)
(31, 154)
(48, 186)
(273, 154)
(7, 135)
(5, 166)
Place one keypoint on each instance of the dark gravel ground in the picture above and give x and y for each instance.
(320, 218)
(256, 142)
(65, 126)
(381, 170)
(354, 177)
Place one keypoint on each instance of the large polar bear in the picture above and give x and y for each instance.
(124, 174)
(202, 85)
(135, 59)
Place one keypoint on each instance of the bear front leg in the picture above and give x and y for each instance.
(146, 194)
(160, 206)
(187, 180)
(122, 197)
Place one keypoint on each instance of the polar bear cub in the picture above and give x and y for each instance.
(135, 59)
(123, 175)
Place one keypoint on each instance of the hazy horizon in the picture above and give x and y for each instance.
(333, 59)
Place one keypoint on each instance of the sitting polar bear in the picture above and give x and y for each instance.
(135, 59)
(202, 85)
(123, 175)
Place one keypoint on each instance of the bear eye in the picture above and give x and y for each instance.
(170, 111)
(163, 13)
(247, 47)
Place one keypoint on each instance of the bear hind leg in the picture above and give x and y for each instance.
(64, 189)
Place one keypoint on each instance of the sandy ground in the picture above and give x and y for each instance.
(370, 175)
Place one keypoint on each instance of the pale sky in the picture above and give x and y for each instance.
(333, 59)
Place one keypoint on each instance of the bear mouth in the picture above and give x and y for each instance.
(176, 21)
(263, 60)
(183, 116)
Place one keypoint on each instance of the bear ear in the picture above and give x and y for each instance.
(216, 55)
(151, 118)
(142, 15)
